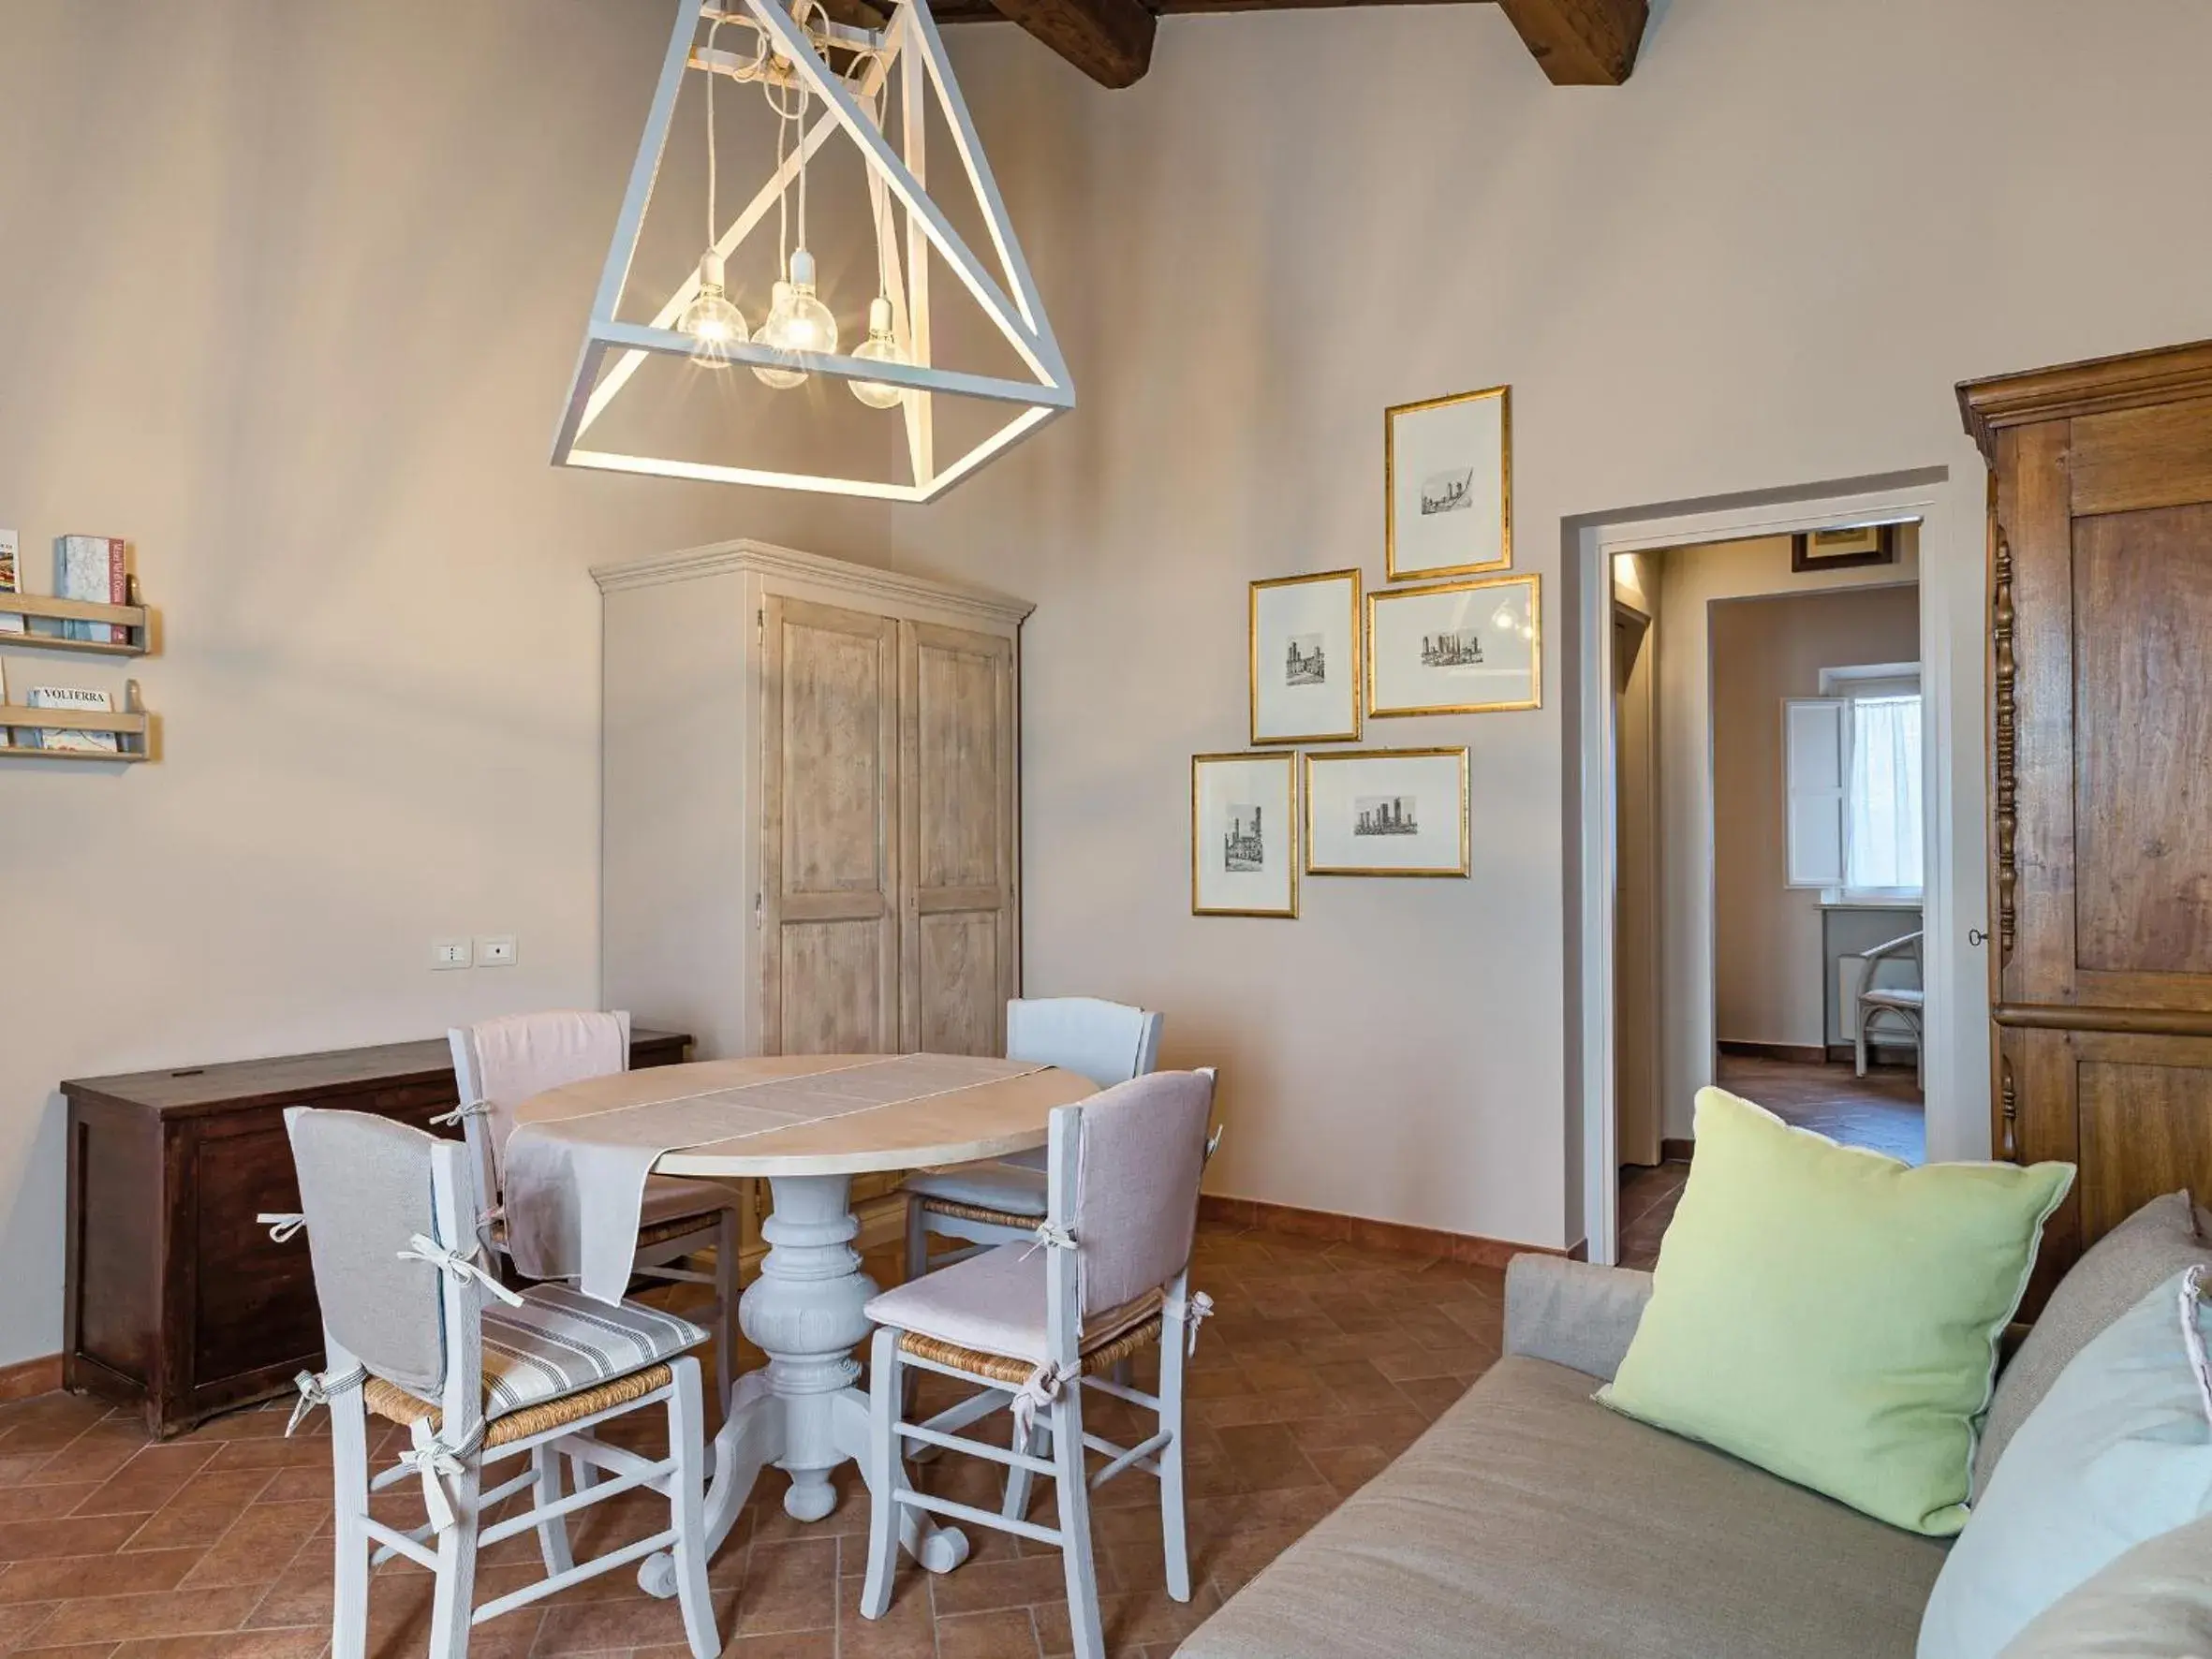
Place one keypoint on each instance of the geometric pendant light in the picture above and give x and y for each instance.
(792, 51)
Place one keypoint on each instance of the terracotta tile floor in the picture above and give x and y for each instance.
(1323, 1362)
(1881, 1110)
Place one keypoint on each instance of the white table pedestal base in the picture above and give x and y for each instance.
(803, 1412)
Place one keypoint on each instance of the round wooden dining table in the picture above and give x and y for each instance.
(805, 1411)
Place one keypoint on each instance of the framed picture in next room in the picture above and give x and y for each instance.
(1840, 549)
(1244, 835)
(1386, 812)
(1448, 486)
(1456, 648)
(1306, 658)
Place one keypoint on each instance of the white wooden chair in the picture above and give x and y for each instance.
(1105, 1274)
(1905, 1004)
(413, 1334)
(499, 1064)
(1000, 1202)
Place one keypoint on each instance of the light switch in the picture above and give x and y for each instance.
(449, 953)
(494, 950)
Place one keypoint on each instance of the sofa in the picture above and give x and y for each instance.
(1531, 1523)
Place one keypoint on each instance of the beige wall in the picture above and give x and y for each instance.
(1636, 1091)
(1695, 285)
(289, 296)
(1770, 970)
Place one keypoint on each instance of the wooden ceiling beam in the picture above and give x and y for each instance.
(1581, 42)
(1108, 41)
(1577, 42)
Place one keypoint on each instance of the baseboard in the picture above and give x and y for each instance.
(28, 1378)
(1791, 1053)
(1329, 1226)
(1677, 1151)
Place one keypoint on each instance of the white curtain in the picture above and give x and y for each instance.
(1885, 793)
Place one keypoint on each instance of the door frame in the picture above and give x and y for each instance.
(1955, 899)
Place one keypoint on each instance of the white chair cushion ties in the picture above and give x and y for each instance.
(457, 1263)
(1038, 1394)
(467, 1108)
(1048, 1237)
(1194, 1313)
(435, 1462)
(283, 1226)
(317, 1391)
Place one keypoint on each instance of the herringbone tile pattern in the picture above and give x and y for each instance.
(1322, 1364)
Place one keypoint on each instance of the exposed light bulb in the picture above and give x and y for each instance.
(881, 347)
(797, 321)
(714, 324)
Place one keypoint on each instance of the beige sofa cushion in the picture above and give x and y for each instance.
(1529, 1523)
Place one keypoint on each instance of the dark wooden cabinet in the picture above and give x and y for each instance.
(175, 1299)
(2101, 779)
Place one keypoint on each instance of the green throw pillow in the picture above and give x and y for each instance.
(1832, 1314)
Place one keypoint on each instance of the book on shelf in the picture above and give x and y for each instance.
(10, 582)
(79, 701)
(7, 737)
(94, 567)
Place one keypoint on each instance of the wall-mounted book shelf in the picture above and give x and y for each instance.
(131, 725)
(130, 617)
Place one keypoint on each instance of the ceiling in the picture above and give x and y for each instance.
(1577, 42)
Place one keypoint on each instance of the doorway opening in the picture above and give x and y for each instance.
(1767, 852)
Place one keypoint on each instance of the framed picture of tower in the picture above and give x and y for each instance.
(1448, 486)
(1304, 643)
(1455, 648)
(1244, 835)
(1387, 811)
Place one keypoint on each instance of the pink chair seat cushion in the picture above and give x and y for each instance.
(669, 1197)
(993, 1304)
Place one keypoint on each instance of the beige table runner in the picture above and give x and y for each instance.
(575, 1182)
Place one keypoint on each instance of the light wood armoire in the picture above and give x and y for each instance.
(809, 800)
(2101, 783)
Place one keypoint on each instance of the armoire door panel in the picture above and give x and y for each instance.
(960, 976)
(2145, 1107)
(958, 827)
(829, 848)
(834, 977)
(2036, 1094)
(2128, 460)
(2143, 795)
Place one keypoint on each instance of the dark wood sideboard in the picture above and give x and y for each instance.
(176, 1300)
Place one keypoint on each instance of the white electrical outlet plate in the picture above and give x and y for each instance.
(494, 950)
(449, 953)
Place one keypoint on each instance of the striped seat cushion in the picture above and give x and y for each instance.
(560, 1341)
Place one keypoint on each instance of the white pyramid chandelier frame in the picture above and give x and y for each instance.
(894, 369)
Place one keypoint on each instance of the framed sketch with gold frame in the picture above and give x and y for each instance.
(1244, 834)
(1448, 486)
(1304, 650)
(1455, 648)
(1387, 811)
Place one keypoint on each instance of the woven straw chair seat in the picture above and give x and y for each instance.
(1121, 1333)
(958, 1212)
(394, 1405)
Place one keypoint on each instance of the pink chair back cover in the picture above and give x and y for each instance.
(1136, 1205)
(524, 1054)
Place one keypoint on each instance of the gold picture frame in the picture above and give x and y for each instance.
(1355, 680)
(1388, 702)
(1417, 470)
(1228, 881)
(1462, 861)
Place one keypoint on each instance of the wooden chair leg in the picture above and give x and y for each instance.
(1073, 1484)
(1172, 1352)
(687, 1446)
(727, 1247)
(350, 1469)
(454, 1598)
(885, 1389)
(553, 1536)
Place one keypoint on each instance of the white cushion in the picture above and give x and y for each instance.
(2117, 1453)
(987, 1186)
(993, 1302)
(560, 1341)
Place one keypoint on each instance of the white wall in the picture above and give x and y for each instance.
(289, 296)
(1699, 284)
